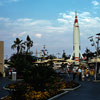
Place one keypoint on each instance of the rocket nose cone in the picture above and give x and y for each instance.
(76, 21)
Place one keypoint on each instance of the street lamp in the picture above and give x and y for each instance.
(98, 38)
(97, 48)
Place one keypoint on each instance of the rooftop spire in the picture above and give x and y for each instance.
(76, 20)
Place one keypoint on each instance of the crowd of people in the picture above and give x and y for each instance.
(80, 73)
(83, 73)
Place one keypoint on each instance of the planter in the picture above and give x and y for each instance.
(71, 89)
(56, 96)
(65, 91)
(3, 98)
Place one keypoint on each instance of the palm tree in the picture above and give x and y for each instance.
(22, 47)
(17, 44)
(88, 54)
(29, 43)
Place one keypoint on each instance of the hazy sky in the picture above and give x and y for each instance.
(48, 22)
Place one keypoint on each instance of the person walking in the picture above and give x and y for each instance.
(74, 73)
(88, 74)
(83, 75)
(80, 75)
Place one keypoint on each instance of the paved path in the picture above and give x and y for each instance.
(4, 82)
(88, 91)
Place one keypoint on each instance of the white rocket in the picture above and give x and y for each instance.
(76, 41)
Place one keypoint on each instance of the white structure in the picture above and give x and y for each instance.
(2, 58)
(76, 41)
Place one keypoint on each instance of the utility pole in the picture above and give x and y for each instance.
(97, 49)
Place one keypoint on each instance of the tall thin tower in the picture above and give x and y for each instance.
(2, 58)
(76, 41)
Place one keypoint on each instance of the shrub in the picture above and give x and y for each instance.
(71, 84)
(39, 75)
(24, 91)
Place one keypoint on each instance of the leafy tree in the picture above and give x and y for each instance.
(88, 54)
(51, 57)
(17, 44)
(87, 51)
(64, 54)
(36, 75)
(28, 43)
(22, 47)
(22, 59)
(21, 62)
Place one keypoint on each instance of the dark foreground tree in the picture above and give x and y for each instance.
(22, 59)
(39, 75)
(88, 54)
(21, 62)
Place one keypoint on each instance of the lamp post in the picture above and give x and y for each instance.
(97, 48)
(98, 38)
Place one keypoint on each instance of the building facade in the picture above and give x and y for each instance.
(2, 58)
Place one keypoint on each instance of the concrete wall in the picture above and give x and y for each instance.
(2, 57)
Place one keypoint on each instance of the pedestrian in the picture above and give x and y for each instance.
(91, 73)
(74, 73)
(87, 75)
(80, 75)
(10, 71)
(83, 75)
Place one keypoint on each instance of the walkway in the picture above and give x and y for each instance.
(88, 91)
(3, 82)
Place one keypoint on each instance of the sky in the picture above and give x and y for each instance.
(48, 22)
